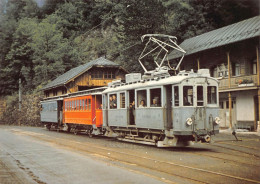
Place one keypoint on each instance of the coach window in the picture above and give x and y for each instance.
(80, 104)
(112, 101)
(141, 98)
(72, 105)
(187, 96)
(176, 96)
(86, 104)
(77, 104)
(155, 97)
(83, 104)
(212, 94)
(122, 100)
(200, 96)
(89, 104)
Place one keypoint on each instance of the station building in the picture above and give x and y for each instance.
(94, 74)
(231, 54)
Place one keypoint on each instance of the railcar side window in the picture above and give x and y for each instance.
(77, 104)
(200, 96)
(122, 100)
(86, 104)
(176, 96)
(83, 104)
(89, 104)
(212, 94)
(155, 97)
(187, 95)
(141, 98)
(112, 101)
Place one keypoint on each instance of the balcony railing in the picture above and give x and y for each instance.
(238, 82)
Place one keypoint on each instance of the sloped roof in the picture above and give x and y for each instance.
(229, 34)
(74, 72)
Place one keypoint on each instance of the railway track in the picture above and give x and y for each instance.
(192, 173)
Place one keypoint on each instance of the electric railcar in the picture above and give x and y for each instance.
(165, 111)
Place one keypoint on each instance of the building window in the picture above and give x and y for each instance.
(64, 91)
(55, 93)
(221, 105)
(97, 74)
(47, 94)
(227, 104)
(109, 74)
(220, 74)
(254, 68)
(236, 69)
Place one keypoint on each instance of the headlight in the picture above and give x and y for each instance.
(189, 121)
(217, 120)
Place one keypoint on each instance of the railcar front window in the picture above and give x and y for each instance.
(155, 97)
(200, 96)
(122, 100)
(187, 96)
(176, 96)
(212, 94)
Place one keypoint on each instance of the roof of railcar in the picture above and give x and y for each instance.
(153, 82)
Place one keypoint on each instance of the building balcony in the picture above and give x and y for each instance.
(238, 83)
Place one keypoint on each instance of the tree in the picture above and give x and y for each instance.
(134, 19)
(20, 56)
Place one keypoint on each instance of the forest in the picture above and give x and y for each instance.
(42, 39)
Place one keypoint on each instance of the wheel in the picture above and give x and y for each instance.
(75, 131)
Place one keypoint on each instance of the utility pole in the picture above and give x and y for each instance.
(20, 100)
(20, 94)
(229, 93)
(258, 86)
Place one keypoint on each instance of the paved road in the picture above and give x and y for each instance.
(35, 155)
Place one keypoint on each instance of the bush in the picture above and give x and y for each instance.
(29, 114)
